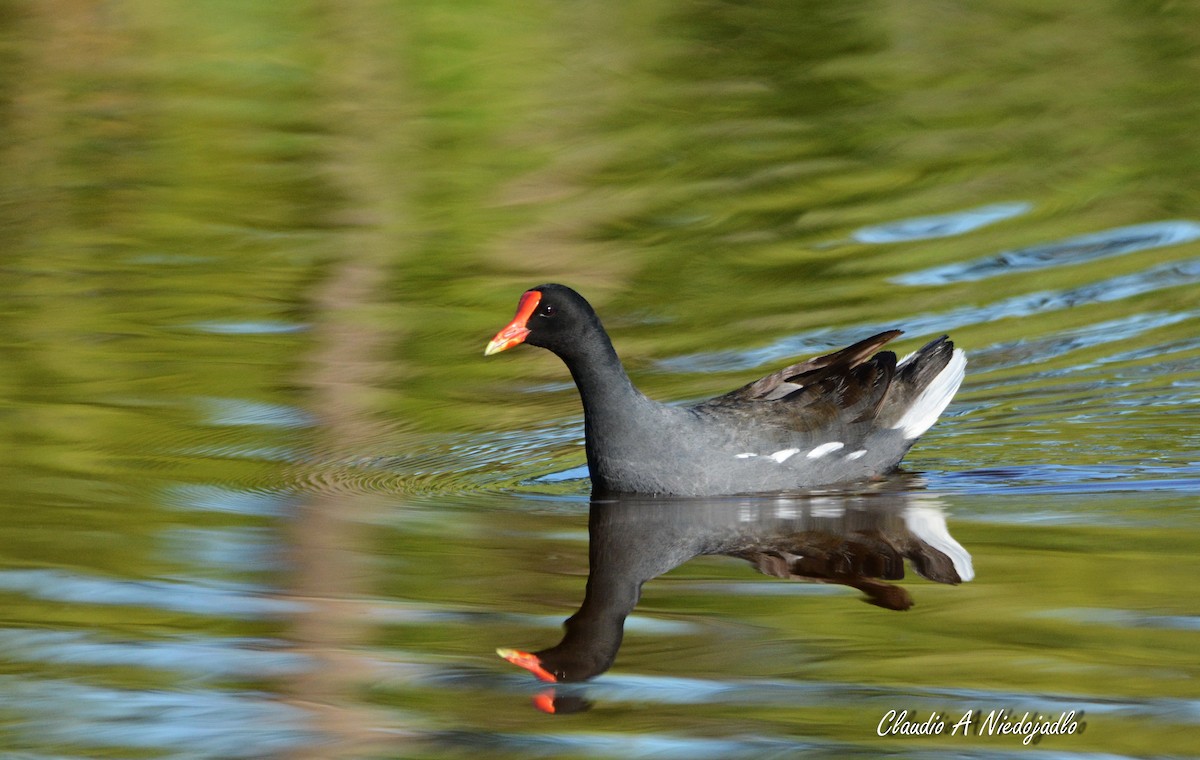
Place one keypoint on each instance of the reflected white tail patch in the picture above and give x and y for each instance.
(824, 449)
(929, 525)
(856, 454)
(933, 400)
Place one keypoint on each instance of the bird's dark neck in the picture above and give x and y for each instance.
(618, 421)
(593, 635)
(617, 568)
(597, 369)
(611, 403)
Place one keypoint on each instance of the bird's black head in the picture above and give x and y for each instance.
(550, 316)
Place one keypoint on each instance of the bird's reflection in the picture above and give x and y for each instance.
(859, 539)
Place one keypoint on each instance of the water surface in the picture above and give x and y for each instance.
(263, 496)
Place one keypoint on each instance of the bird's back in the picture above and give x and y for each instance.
(844, 417)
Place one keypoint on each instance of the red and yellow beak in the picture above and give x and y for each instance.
(528, 661)
(516, 330)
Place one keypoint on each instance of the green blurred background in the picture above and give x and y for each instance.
(262, 495)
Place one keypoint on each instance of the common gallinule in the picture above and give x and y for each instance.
(839, 418)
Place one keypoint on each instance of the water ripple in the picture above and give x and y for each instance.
(1031, 351)
(207, 658)
(792, 693)
(941, 225)
(264, 327)
(1125, 618)
(213, 498)
(198, 723)
(1076, 250)
(239, 600)
(1070, 479)
(658, 745)
(1161, 277)
(232, 412)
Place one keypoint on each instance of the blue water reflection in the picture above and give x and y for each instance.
(186, 723)
(942, 225)
(225, 599)
(1075, 250)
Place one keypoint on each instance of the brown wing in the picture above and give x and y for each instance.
(839, 365)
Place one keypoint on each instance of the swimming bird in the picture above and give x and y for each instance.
(840, 418)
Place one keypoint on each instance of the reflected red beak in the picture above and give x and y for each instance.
(545, 702)
(516, 330)
(528, 661)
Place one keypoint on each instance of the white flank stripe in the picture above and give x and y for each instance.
(747, 455)
(784, 454)
(934, 399)
(824, 449)
(856, 454)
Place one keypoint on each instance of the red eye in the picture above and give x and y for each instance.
(548, 310)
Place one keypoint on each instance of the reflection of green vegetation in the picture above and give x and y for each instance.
(733, 150)
(697, 169)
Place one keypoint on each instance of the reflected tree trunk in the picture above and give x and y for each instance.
(363, 92)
